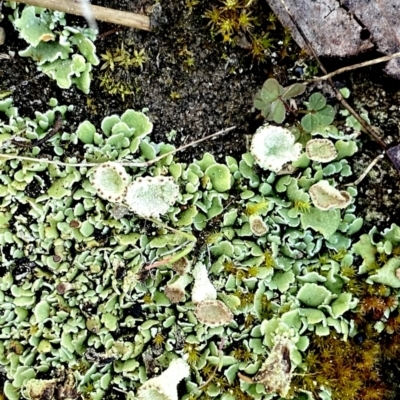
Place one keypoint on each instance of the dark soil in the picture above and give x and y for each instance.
(215, 93)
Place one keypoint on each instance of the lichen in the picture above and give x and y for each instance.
(104, 286)
(273, 146)
(64, 53)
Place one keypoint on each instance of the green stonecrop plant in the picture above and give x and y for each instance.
(98, 234)
(66, 54)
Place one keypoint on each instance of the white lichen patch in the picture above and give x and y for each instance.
(326, 197)
(110, 181)
(257, 225)
(213, 313)
(322, 150)
(164, 387)
(202, 289)
(273, 147)
(151, 196)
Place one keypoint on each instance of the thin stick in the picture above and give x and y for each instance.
(368, 128)
(355, 66)
(112, 16)
(364, 174)
(139, 164)
(44, 160)
(213, 136)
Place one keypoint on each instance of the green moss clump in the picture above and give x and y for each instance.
(241, 23)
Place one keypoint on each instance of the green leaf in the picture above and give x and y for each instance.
(139, 121)
(324, 222)
(278, 112)
(87, 48)
(316, 102)
(82, 80)
(293, 90)
(266, 112)
(392, 234)
(46, 52)
(341, 305)
(61, 71)
(313, 295)
(259, 101)
(271, 90)
(42, 311)
(387, 275)
(310, 122)
(326, 115)
(345, 92)
(108, 123)
(345, 148)
(220, 177)
(33, 29)
(85, 132)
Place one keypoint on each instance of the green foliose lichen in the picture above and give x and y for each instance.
(66, 54)
(88, 282)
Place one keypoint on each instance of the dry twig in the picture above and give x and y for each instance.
(112, 16)
(364, 174)
(355, 66)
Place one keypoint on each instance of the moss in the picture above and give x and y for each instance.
(241, 23)
(256, 208)
(193, 353)
(301, 206)
(345, 367)
(116, 61)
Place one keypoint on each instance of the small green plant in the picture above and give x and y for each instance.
(123, 58)
(113, 86)
(319, 114)
(190, 4)
(117, 65)
(272, 99)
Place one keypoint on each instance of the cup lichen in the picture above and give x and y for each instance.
(110, 181)
(325, 197)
